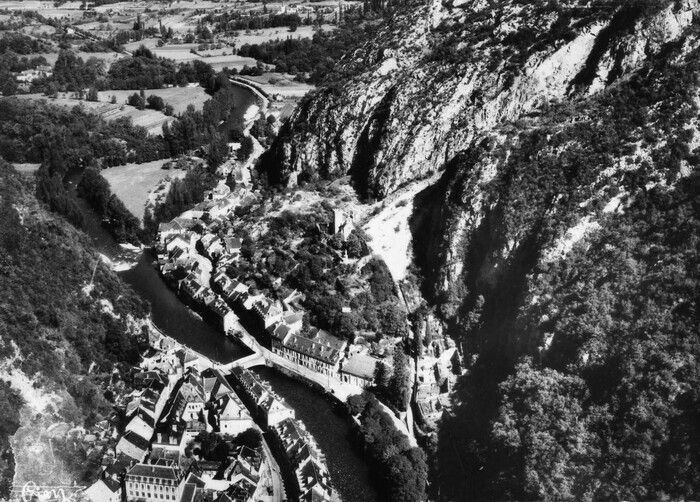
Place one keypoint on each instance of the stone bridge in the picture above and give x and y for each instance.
(248, 361)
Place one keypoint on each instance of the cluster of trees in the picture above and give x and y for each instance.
(10, 63)
(50, 188)
(395, 388)
(94, 188)
(197, 71)
(10, 404)
(315, 268)
(154, 102)
(20, 43)
(263, 129)
(63, 139)
(235, 21)
(143, 70)
(100, 46)
(183, 194)
(218, 122)
(71, 73)
(585, 383)
(400, 470)
(315, 57)
(217, 447)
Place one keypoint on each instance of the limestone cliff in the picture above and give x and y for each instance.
(559, 242)
(443, 73)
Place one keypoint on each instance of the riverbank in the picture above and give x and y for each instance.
(331, 428)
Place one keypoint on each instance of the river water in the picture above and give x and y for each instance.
(167, 311)
(349, 473)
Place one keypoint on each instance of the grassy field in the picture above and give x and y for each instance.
(38, 30)
(181, 53)
(267, 34)
(229, 61)
(150, 119)
(278, 83)
(68, 10)
(133, 183)
(178, 97)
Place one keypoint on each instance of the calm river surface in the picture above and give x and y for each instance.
(349, 473)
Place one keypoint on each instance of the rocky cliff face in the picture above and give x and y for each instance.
(559, 244)
(444, 73)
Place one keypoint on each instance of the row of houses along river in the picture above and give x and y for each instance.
(349, 473)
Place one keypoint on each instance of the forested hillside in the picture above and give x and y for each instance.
(64, 336)
(578, 301)
(559, 244)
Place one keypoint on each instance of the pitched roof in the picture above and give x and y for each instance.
(279, 331)
(145, 418)
(136, 440)
(155, 471)
(310, 474)
(233, 409)
(190, 493)
(102, 489)
(193, 479)
(324, 347)
(113, 485)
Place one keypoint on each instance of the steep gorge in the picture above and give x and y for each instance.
(559, 245)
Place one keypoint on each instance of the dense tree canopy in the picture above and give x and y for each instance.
(585, 367)
(401, 469)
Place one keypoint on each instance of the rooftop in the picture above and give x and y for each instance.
(155, 471)
(321, 345)
(136, 440)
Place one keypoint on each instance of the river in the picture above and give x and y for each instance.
(167, 311)
(349, 473)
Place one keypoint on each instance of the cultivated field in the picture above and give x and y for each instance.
(178, 97)
(69, 10)
(282, 33)
(150, 119)
(38, 30)
(132, 183)
(181, 53)
(231, 61)
(277, 83)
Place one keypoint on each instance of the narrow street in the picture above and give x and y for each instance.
(278, 493)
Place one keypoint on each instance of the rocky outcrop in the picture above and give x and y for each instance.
(559, 242)
(445, 73)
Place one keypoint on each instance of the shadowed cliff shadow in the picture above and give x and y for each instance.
(363, 163)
